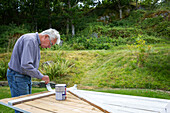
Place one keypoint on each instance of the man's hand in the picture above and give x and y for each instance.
(46, 79)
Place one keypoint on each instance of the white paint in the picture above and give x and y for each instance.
(116, 103)
(12, 102)
(167, 109)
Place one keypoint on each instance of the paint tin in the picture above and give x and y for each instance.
(60, 91)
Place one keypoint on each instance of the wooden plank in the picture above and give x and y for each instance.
(41, 105)
(14, 98)
(28, 98)
(99, 107)
(117, 103)
(31, 109)
(74, 100)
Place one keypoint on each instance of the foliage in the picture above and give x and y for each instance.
(142, 50)
(91, 43)
(40, 15)
(153, 39)
(56, 69)
(3, 69)
(9, 35)
(154, 24)
(97, 36)
(163, 29)
(64, 46)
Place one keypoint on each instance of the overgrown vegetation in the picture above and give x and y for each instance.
(142, 50)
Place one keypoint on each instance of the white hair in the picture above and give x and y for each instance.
(53, 34)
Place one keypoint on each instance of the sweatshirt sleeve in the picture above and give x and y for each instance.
(27, 60)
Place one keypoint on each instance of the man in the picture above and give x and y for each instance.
(25, 60)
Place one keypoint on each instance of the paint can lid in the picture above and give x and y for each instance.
(60, 85)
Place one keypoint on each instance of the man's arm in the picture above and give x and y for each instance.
(27, 60)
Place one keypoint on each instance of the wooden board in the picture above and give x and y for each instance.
(50, 105)
(117, 103)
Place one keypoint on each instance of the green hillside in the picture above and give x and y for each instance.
(117, 68)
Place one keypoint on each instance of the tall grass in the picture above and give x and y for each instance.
(58, 69)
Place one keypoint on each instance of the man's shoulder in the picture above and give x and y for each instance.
(29, 37)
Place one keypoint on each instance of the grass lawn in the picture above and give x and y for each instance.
(5, 93)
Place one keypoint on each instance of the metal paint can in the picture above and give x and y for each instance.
(60, 91)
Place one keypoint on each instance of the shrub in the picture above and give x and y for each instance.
(163, 28)
(3, 69)
(153, 39)
(57, 69)
(142, 50)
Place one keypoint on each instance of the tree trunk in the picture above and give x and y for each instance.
(17, 12)
(120, 11)
(49, 14)
(136, 4)
(73, 30)
(67, 29)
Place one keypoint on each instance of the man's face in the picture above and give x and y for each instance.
(46, 42)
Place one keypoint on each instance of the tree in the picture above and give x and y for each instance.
(150, 3)
(72, 13)
(119, 4)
